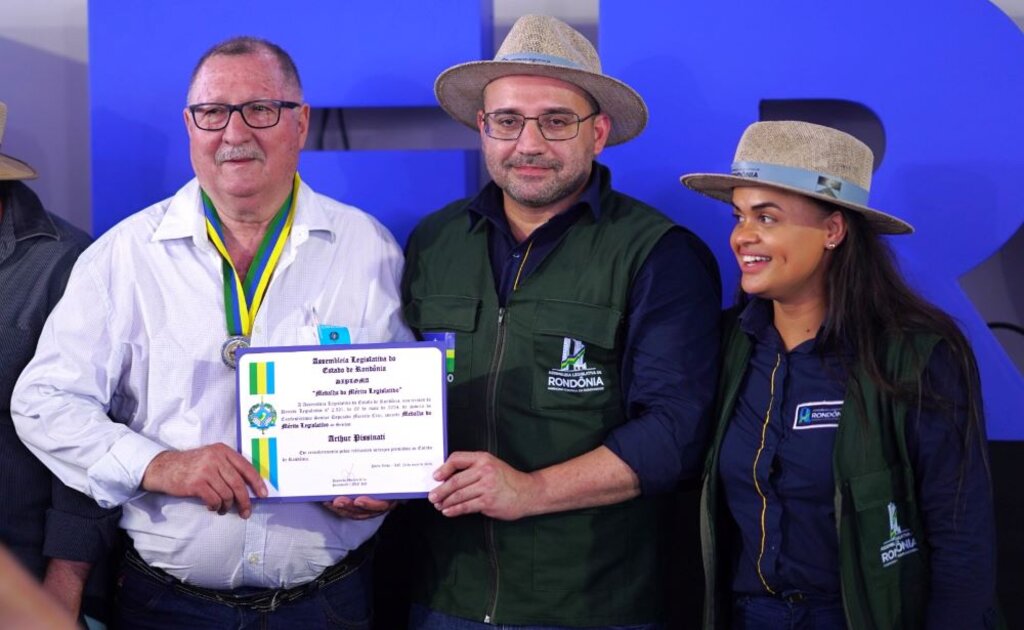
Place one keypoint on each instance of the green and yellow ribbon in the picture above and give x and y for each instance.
(243, 298)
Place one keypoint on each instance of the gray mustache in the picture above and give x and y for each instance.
(245, 152)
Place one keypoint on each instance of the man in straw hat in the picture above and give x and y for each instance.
(132, 396)
(583, 328)
(57, 533)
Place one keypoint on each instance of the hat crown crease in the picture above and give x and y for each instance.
(551, 39)
(541, 45)
(809, 147)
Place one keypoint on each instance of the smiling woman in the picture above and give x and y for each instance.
(783, 243)
(844, 398)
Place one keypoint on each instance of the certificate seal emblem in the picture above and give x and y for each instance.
(228, 351)
(262, 416)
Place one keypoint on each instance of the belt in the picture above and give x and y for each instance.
(798, 597)
(810, 599)
(263, 601)
(794, 597)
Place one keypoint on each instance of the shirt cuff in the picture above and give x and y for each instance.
(117, 477)
(79, 538)
(653, 458)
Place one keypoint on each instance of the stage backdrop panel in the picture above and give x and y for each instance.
(349, 54)
(941, 85)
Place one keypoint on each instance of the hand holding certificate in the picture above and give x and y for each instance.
(323, 421)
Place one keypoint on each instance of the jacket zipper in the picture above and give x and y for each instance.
(492, 448)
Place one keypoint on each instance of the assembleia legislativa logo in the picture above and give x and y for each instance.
(573, 374)
(900, 543)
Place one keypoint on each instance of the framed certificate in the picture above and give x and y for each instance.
(324, 421)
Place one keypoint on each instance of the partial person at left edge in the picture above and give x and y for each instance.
(131, 396)
(62, 537)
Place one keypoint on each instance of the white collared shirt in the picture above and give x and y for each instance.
(129, 365)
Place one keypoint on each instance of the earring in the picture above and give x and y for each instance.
(830, 245)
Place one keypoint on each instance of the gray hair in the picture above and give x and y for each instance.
(247, 45)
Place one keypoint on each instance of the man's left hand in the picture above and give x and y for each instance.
(480, 482)
(360, 508)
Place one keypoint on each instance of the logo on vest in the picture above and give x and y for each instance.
(573, 374)
(901, 541)
(823, 414)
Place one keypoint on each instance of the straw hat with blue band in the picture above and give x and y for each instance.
(819, 162)
(12, 168)
(544, 46)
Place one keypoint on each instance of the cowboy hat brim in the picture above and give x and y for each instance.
(459, 91)
(718, 186)
(11, 168)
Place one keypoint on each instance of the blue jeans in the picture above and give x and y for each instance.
(144, 601)
(423, 618)
(771, 613)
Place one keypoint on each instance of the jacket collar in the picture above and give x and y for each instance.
(185, 218)
(29, 219)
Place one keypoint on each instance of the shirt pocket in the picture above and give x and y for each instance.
(576, 363)
(449, 314)
(305, 336)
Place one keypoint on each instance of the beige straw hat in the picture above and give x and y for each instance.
(542, 45)
(812, 160)
(11, 168)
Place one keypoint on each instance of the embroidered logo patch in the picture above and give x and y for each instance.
(573, 374)
(900, 542)
(823, 414)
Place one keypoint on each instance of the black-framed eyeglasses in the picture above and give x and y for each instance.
(553, 126)
(257, 114)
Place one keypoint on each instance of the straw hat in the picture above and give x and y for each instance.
(812, 160)
(542, 45)
(11, 168)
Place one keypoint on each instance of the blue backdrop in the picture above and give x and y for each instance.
(944, 78)
(349, 54)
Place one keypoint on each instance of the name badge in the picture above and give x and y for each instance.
(823, 414)
(333, 335)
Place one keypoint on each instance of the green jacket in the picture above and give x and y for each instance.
(883, 555)
(537, 383)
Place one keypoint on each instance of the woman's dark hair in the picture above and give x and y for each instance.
(869, 301)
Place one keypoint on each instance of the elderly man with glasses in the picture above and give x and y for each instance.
(584, 329)
(130, 397)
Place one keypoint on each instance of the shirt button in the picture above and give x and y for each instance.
(516, 255)
(254, 558)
